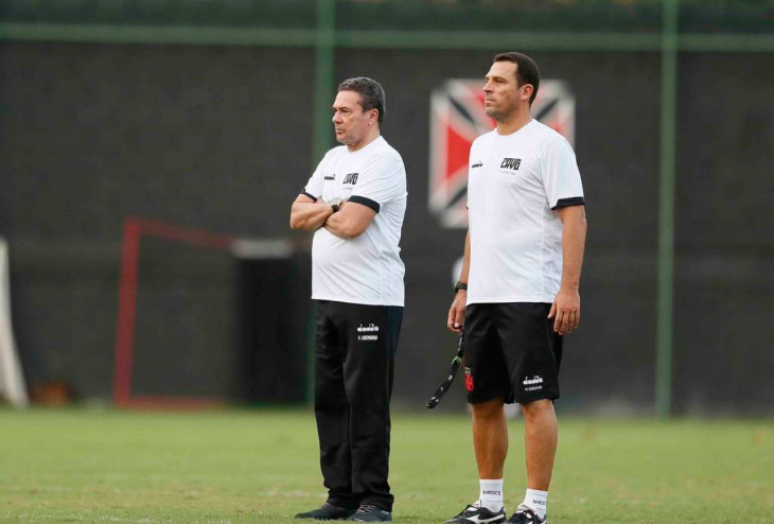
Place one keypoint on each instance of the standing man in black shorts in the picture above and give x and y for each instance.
(518, 289)
(355, 202)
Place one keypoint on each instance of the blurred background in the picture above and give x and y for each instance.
(150, 151)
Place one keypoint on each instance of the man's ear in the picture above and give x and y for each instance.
(528, 90)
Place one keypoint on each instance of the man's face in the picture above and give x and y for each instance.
(349, 120)
(502, 95)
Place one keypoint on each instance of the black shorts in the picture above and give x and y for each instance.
(511, 352)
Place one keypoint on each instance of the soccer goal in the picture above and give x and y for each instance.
(204, 319)
(12, 386)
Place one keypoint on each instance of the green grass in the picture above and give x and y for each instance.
(82, 466)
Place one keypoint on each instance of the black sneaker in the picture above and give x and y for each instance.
(526, 515)
(478, 515)
(327, 512)
(368, 513)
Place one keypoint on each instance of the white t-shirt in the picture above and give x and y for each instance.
(515, 184)
(367, 269)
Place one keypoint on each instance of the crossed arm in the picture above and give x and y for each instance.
(349, 222)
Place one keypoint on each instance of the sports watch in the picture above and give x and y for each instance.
(460, 286)
(335, 203)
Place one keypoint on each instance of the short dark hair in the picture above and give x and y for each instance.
(527, 71)
(371, 93)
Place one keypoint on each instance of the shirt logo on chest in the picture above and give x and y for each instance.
(511, 164)
(477, 164)
(350, 178)
(330, 177)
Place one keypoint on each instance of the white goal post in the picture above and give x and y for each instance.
(12, 387)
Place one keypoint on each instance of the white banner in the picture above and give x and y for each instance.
(12, 386)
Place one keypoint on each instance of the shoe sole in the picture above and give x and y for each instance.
(299, 517)
(320, 518)
(497, 520)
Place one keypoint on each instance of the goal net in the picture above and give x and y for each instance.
(206, 319)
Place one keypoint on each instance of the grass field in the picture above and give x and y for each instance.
(80, 466)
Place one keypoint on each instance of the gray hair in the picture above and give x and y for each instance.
(371, 93)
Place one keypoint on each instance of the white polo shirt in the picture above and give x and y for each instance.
(515, 184)
(367, 269)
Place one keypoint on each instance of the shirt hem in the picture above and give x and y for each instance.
(359, 301)
(504, 300)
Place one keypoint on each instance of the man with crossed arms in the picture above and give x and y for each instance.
(355, 203)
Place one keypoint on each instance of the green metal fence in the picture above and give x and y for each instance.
(668, 27)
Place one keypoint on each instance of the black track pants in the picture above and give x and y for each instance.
(355, 351)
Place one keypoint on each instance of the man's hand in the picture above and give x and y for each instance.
(307, 214)
(566, 311)
(457, 312)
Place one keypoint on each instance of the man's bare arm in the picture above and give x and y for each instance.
(456, 316)
(566, 307)
(350, 221)
(308, 215)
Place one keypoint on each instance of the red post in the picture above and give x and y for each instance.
(127, 308)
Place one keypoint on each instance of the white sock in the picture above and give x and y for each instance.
(536, 500)
(491, 494)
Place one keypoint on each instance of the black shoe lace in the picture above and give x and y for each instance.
(526, 511)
